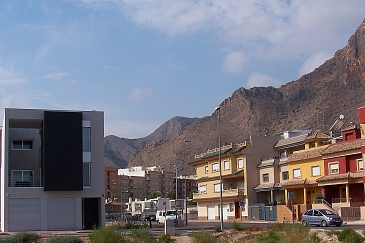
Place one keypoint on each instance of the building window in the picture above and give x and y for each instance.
(312, 145)
(21, 178)
(282, 154)
(240, 184)
(296, 173)
(240, 163)
(265, 177)
(316, 170)
(360, 165)
(86, 174)
(22, 144)
(217, 187)
(226, 165)
(206, 169)
(203, 189)
(86, 139)
(333, 168)
(215, 167)
(285, 175)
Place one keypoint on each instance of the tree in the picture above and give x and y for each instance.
(171, 194)
(191, 193)
(153, 195)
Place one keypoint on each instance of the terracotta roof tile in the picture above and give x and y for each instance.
(344, 146)
(306, 154)
(318, 135)
(336, 177)
(297, 182)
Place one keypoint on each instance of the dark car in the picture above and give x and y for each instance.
(321, 217)
(148, 217)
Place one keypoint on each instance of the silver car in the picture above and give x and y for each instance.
(321, 217)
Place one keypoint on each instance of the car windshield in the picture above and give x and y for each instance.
(326, 212)
(169, 213)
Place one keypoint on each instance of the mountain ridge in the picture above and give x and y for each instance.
(314, 101)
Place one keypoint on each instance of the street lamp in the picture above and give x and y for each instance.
(220, 168)
(186, 201)
(175, 182)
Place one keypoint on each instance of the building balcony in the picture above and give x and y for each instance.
(233, 192)
(33, 182)
(343, 202)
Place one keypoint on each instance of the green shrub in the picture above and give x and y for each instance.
(21, 237)
(341, 235)
(106, 235)
(202, 237)
(64, 239)
(141, 236)
(349, 236)
(236, 226)
(271, 236)
(217, 229)
(164, 238)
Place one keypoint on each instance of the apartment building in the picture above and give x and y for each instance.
(239, 177)
(52, 170)
(188, 182)
(138, 183)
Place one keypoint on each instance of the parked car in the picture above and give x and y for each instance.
(108, 216)
(148, 217)
(321, 217)
(126, 216)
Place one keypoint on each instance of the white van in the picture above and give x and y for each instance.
(170, 214)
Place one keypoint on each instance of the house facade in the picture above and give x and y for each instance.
(305, 166)
(239, 177)
(342, 184)
(52, 170)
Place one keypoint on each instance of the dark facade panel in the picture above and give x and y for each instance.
(62, 151)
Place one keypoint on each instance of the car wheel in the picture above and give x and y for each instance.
(305, 223)
(323, 223)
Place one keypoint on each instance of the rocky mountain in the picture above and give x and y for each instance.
(119, 150)
(314, 101)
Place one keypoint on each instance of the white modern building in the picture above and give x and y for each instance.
(52, 170)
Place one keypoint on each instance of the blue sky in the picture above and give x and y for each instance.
(143, 62)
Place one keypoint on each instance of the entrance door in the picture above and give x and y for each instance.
(90, 212)
(211, 212)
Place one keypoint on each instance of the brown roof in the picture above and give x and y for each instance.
(348, 175)
(344, 146)
(306, 154)
(318, 135)
(297, 182)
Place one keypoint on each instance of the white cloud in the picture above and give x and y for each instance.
(313, 62)
(138, 94)
(9, 77)
(262, 80)
(56, 75)
(129, 129)
(235, 62)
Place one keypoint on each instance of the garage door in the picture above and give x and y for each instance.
(61, 213)
(211, 212)
(24, 214)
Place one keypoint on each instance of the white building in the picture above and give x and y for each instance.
(52, 170)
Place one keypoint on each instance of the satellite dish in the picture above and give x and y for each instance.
(342, 117)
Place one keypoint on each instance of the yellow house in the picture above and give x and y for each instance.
(304, 167)
(239, 177)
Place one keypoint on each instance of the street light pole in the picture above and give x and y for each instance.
(186, 174)
(175, 183)
(220, 168)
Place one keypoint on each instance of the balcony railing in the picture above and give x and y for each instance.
(34, 182)
(233, 192)
(343, 200)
